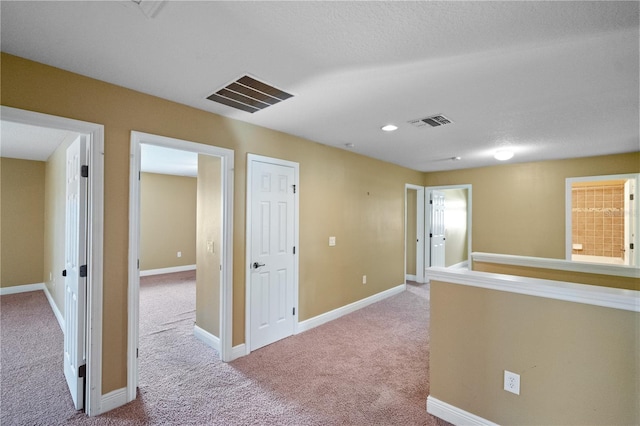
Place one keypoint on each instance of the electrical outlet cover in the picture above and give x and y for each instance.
(512, 382)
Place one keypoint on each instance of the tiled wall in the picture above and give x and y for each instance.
(598, 220)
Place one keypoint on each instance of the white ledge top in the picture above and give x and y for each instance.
(559, 264)
(628, 300)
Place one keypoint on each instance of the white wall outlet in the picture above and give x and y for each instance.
(512, 382)
(332, 241)
(179, 254)
(364, 279)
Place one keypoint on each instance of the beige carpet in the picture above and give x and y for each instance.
(367, 368)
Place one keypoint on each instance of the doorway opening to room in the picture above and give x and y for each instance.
(448, 228)
(72, 236)
(180, 246)
(602, 219)
(414, 236)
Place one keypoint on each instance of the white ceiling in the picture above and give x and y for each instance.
(550, 79)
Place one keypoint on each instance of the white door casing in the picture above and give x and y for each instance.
(437, 230)
(75, 271)
(420, 234)
(93, 404)
(226, 278)
(272, 240)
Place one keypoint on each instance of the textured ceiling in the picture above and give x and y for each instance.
(549, 79)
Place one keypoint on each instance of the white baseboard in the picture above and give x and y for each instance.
(238, 351)
(167, 270)
(113, 399)
(21, 288)
(409, 277)
(207, 338)
(454, 415)
(347, 309)
(464, 264)
(54, 308)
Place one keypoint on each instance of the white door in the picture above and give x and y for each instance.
(271, 256)
(75, 271)
(437, 229)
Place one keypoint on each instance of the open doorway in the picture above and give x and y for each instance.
(79, 317)
(602, 219)
(448, 229)
(204, 256)
(414, 233)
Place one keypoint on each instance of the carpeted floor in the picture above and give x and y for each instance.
(366, 368)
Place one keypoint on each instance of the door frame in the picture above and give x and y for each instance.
(420, 231)
(251, 159)
(427, 197)
(95, 238)
(226, 275)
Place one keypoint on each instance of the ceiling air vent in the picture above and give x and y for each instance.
(433, 121)
(248, 94)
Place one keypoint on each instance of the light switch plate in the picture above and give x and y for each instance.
(332, 241)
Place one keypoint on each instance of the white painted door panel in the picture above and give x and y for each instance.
(437, 232)
(272, 258)
(75, 280)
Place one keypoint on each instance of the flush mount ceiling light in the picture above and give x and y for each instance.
(503, 154)
(389, 128)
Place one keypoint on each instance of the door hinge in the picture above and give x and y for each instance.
(631, 197)
(294, 311)
(294, 189)
(294, 249)
(84, 171)
(83, 271)
(138, 263)
(139, 175)
(430, 201)
(430, 235)
(82, 370)
(631, 246)
(137, 352)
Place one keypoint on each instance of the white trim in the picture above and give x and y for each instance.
(24, 288)
(95, 236)
(207, 338)
(54, 308)
(226, 275)
(251, 158)
(454, 415)
(558, 264)
(169, 270)
(409, 277)
(347, 309)
(114, 399)
(464, 264)
(628, 300)
(239, 351)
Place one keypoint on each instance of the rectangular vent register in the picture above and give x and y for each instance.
(250, 95)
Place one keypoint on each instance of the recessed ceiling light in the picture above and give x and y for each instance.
(503, 155)
(389, 128)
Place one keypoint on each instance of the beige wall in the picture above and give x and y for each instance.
(209, 242)
(520, 208)
(21, 221)
(167, 221)
(357, 199)
(412, 233)
(55, 222)
(578, 363)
